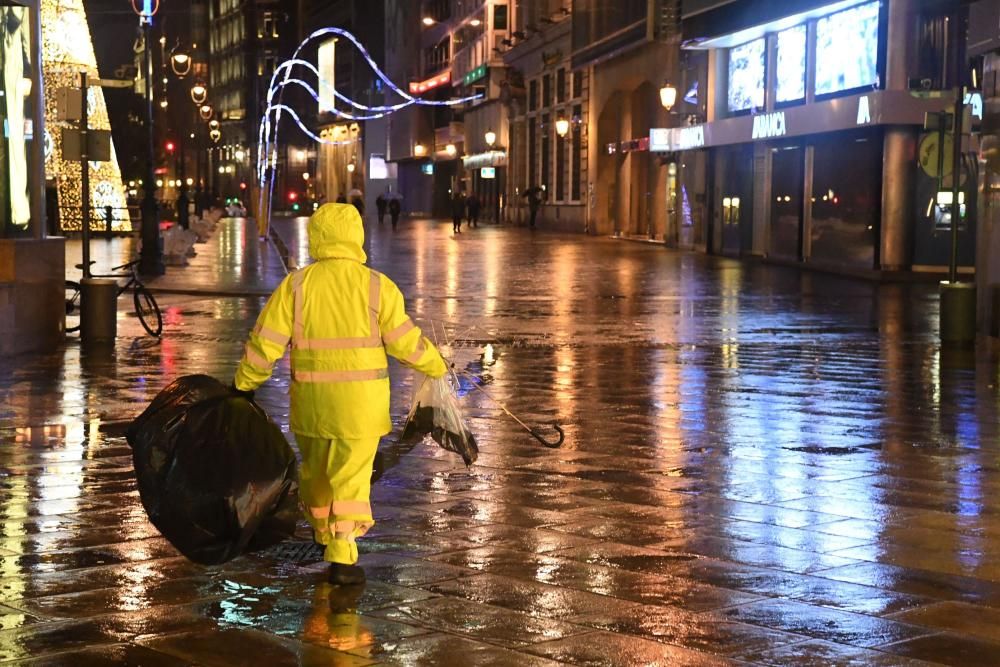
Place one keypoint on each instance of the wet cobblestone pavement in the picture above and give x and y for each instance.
(762, 466)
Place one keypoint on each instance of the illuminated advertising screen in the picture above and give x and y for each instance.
(746, 76)
(847, 49)
(327, 81)
(791, 67)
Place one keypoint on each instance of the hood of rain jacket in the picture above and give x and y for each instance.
(336, 232)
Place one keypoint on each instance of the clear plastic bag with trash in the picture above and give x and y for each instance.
(436, 412)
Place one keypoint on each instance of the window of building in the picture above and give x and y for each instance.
(547, 90)
(500, 17)
(561, 85)
(577, 84)
(846, 196)
(576, 154)
(268, 26)
(533, 95)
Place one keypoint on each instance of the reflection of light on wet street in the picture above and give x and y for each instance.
(761, 465)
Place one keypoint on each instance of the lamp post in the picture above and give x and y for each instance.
(491, 141)
(151, 257)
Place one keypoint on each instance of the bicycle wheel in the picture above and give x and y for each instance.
(72, 306)
(147, 310)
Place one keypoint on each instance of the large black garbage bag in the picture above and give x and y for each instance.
(436, 412)
(216, 475)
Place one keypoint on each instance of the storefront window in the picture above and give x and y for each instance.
(846, 199)
(786, 202)
(16, 177)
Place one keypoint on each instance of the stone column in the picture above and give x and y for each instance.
(899, 147)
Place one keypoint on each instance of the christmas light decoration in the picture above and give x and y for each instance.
(67, 50)
(268, 130)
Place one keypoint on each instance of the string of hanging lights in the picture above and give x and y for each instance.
(271, 118)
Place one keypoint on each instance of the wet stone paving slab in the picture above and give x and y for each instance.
(762, 466)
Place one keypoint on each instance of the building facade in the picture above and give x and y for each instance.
(549, 113)
(443, 149)
(247, 41)
(810, 147)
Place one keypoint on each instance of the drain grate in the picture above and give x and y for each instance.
(294, 552)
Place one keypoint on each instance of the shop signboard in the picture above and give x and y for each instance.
(833, 115)
(488, 172)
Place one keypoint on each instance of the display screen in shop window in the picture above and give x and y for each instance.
(746, 76)
(847, 49)
(791, 65)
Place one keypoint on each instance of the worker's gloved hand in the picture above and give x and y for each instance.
(245, 394)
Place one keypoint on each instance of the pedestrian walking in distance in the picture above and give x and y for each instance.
(473, 206)
(380, 205)
(457, 211)
(534, 195)
(395, 208)
(340, 318)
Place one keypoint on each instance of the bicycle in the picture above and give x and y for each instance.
(145, 305)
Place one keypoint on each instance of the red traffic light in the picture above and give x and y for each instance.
(243, 186)
(292, 196)
(170, 147)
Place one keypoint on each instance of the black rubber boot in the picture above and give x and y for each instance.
(346, 575)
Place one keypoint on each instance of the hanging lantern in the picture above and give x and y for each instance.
(180, 63)
(205, 111)
(213, 124)
(215, 135)
(199, 93)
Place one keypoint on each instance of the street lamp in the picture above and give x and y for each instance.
(180, 63)
(419, 150)
(151, 256)
(428, 21)
(668, 96)
(490, 137)
(451, 150)
(562, 127)
(350, 167)
(199, 93)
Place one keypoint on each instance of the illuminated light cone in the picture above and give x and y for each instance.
(67, 49)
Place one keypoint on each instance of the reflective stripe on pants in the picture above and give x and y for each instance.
(334, 487)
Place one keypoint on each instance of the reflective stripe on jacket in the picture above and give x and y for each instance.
(340, 319)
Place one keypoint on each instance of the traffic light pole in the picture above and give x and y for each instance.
(151, 258)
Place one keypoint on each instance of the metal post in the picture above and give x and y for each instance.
(108, 220)
(182, 197)
(956, 168)
(84, 176)
(151, 259)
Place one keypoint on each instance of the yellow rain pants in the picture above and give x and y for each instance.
(334, 485)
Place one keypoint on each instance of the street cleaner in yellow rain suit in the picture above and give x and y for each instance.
(340, 318)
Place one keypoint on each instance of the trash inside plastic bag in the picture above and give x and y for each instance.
(215, 473)
(436, 412)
